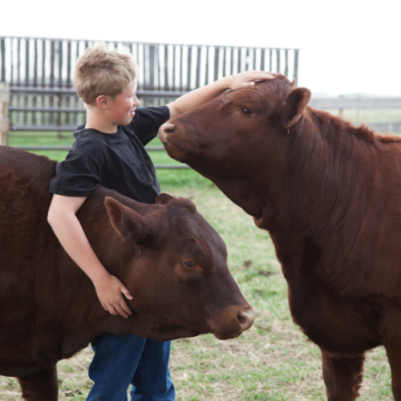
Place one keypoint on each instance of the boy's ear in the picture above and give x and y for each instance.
(295, 105)
(102, 101)
(128, 223)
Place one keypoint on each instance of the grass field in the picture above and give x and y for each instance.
(271, 361)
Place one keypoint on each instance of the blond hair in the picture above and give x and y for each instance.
(100, 71)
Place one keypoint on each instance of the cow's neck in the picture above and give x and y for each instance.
(331, 170)
(327, 171)
(84, 317)
(332, 184)
(110, 249)
(324, 164)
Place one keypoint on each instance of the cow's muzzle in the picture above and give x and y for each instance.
(165, 130)
(232, 322)
(246, 318)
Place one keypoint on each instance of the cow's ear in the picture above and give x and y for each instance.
(296, 103)
(162, 199)
(128, 223)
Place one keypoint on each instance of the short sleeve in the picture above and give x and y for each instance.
(78, 175)
(147, 121)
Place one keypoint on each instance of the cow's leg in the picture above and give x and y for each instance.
(41, 386)
(342, 375)
(393, 349)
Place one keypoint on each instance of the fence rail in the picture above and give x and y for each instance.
(356, 103)
(386, 127)
(342, 103)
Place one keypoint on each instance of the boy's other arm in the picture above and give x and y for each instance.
(65, 224)
(202, 95)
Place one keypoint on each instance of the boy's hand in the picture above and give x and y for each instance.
(109, 290)
(248, 78)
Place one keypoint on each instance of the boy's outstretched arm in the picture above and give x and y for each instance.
(65, 224)
(202, 95)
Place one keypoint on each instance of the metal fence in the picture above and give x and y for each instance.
(39, 72)
(359, 103)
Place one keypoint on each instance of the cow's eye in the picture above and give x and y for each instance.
(189, 264)
(246, 111)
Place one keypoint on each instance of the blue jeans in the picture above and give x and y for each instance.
(123, 360)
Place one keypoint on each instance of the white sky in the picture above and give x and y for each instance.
(346, 46)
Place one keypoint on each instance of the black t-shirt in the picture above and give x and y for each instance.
(117, 161)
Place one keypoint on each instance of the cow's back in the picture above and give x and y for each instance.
(24, 202)
(25, 198)
(24, 237)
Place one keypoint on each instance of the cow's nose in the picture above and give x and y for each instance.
(165, 130)
(246, 318)
(168, 128)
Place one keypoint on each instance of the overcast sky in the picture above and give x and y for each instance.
(346, 46)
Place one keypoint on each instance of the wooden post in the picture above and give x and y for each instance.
(4, 121)
(341, 110)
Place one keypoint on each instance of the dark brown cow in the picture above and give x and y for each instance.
(167, 255)
(329, 194)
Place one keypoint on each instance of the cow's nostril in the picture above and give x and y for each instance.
(241, 318)
(246, 318)
(165, 130)
(169, 128)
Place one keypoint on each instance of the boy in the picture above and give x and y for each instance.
(109, 151)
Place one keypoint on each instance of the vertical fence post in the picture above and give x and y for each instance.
(341, 110)
(4, 122)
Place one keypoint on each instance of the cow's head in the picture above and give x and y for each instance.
(177, 272)
(239, 137)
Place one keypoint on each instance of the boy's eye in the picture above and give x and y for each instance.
(246, 111)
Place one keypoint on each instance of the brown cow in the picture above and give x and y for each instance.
(168, 256)
(329, 194)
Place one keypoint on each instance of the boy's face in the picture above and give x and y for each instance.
(122, 108)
